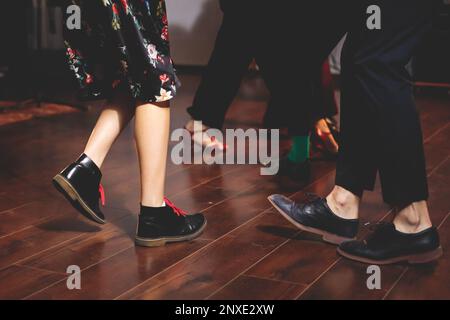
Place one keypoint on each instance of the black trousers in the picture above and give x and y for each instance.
(244, 35)
(380, 127)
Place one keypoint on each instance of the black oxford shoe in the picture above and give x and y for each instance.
(158, 226)
(386, 245)
(316, 217)
(80, 184)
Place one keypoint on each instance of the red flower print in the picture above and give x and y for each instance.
(89, 79)
(125, 5)
(164, 78)
(71, 53)
(164, 20)
(165, 33)
(114, 8)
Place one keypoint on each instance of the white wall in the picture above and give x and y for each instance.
(193, 29)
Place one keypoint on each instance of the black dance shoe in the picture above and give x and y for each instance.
(158, 226)
(80, 184)
(386, 245)
(316, 217)
(296, 171)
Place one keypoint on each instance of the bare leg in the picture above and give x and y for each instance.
(413, 218)
(152, 138)
(343, 203)
(201, 137)
(109, 125)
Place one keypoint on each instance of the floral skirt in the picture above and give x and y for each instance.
(122, 43)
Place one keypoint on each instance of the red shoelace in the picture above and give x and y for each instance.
(101, 191)
(178, 211)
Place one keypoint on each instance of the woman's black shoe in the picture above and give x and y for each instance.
(296, 171)
(80, 184)
(316, 217)
(158, 226)
(387, 246)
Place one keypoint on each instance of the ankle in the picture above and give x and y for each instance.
(94, 157)
(195, 125)
(343, 203)
(413, 218)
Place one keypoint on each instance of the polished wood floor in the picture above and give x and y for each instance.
(247, 251)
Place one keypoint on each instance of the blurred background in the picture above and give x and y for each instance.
(32, 61)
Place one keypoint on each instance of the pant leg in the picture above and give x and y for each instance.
(228, 63)
(380, 127)
(290, 54)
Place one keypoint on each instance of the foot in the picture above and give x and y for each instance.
(200, 136)
(80, 184)
(296, 171)
(316, 217)
(324, 138)
(387, 246)
(161, 225)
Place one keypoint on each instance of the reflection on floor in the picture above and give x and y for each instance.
(247, 251)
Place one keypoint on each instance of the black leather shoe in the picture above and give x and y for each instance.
(296, 171)
(316, 217)
(386, 245)
(80, 184)
(158, 226)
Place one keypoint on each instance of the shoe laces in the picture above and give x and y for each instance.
(178, 211)
(310, 198)
(101, 191)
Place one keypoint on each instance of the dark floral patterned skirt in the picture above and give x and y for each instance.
(123, 43)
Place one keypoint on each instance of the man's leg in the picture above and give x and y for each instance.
(222, 78)
(376, 85)
(375, 82)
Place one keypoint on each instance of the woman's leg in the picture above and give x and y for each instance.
(80, 181)
(109, 125)
(160, 221)
(152, 137)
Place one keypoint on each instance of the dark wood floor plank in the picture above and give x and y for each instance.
(207, 270)
(88, 251)
(18, 282)
(122, 271)
(251, 288)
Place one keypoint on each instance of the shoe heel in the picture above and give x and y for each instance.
(333, 239)
(63, 187)
(150, 243)
(426, 257)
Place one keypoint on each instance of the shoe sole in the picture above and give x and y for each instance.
(326, 236)
(421, 258)
(143, 242)
(68, 191)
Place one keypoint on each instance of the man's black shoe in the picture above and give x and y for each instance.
(386, 245)
(80, 184)
(316, 217)
(158, 226)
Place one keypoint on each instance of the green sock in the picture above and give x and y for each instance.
(300, 149)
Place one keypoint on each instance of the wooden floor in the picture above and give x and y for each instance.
(247, 251)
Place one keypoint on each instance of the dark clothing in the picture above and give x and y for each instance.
(380, 126)
(245, 35)
(123, 42)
